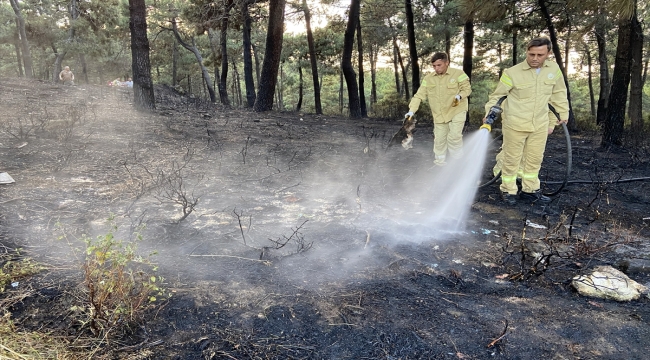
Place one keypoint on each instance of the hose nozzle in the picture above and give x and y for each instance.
(493, 115)
(487, 127)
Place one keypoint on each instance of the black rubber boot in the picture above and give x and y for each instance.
(535, 196)
(509, 198)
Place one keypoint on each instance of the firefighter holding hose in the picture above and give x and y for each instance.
(529, 86)
(446, 91)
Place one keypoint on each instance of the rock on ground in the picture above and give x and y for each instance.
(608, 283)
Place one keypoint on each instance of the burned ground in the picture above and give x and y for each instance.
(363, 275)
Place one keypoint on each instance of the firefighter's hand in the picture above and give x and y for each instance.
(550, 130)
(560, 122)
(408, 114)
(456, 101)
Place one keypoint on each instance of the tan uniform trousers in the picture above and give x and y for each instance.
(525, 150)
(520, 172)
(448, 136)
(497, 167)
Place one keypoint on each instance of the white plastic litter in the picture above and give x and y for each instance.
(534, 226)
(6, 178)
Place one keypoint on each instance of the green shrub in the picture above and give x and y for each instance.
(120, 284)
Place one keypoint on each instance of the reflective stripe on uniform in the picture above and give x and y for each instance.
(508, 179)
(530, 175)
(463, 77)
(558, 74)
(506, 79)
(424, 83)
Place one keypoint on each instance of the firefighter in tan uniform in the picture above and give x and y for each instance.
(446, 91)
(66, 76)
(530, 87)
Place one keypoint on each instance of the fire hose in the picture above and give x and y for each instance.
(495, 113)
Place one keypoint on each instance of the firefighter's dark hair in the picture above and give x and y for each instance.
(439, 56)
(540, 41)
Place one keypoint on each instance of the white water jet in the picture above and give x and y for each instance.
(454, 186)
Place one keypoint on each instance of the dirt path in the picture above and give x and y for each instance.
(364, 274)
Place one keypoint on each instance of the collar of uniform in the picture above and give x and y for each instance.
(526, 66)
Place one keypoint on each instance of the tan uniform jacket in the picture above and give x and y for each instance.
(529, 93)
(66, 75)
(440, 91)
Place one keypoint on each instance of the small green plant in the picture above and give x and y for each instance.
(121, 285)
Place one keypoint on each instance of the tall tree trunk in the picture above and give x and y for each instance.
(346, 60)
(567, 43)
(468, 43)
(300, 87)
(84, 68)
(500, 54)
(56, 66)
(613, 129)
(256, 56)
(27, 54)
(400, 61)
(374, 52)
(515, 45)
(398, 88)
(174, 63)
(199, 59)
(341, 92)
(312, 58)
(592, 98)
(223, 80)
(279, 88)
(19, 59)
(635, 107)
(142, 84)
(600, 33)
(362, 91)
(405, 80)
(236, 79)
(410, 26)
(268, 79)
(248, 56)
(558, 58)
(396, 61)
(216, 53)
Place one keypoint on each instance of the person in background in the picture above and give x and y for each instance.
(446, 90)
(129, 83)
(66, 76)
(529, 86)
